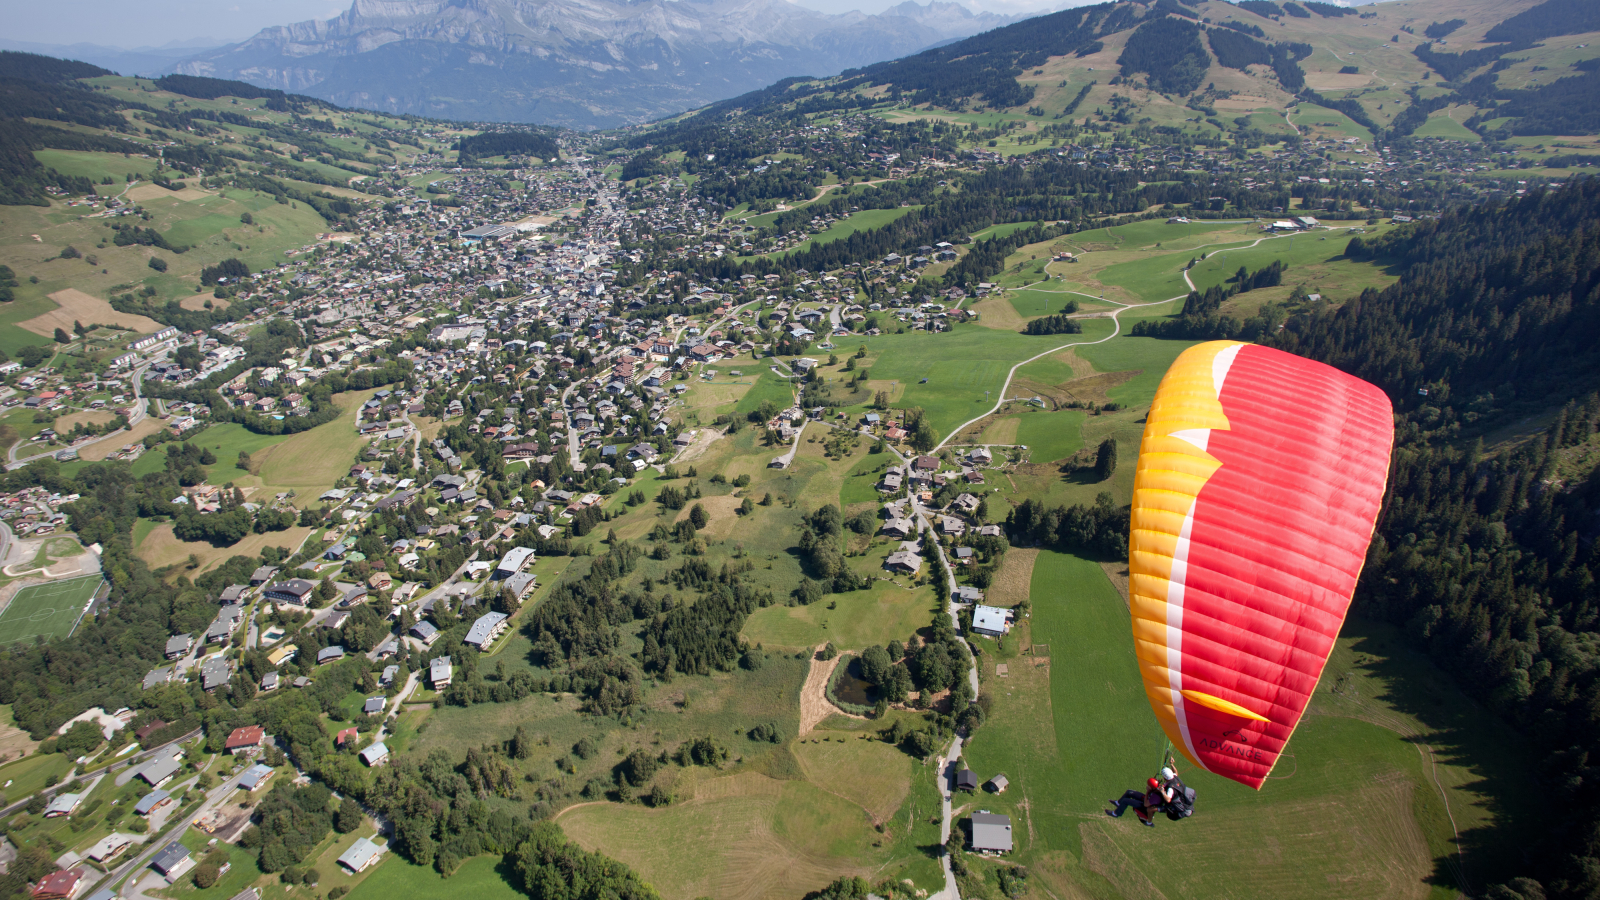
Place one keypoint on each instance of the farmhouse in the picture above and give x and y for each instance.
(375, 755)
(160, 770)
(361, 855)
(991, 832)
(109, 846)
(439, 671)
(151, 802)
(990, 620)
(254, 777)
(245, 739)
(172, 862)
(62, 884)
(62, 805)
(904, 561)
(966, 593)
(425, 632)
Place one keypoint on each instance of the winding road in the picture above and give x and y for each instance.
(1116, 329)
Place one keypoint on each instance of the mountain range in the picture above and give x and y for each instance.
(150, 61)
(577, 63)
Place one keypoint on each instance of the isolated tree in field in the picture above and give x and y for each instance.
(699, 517)
(78, 329)
(244, 461)
(62, 337)
(521, 743)
(637, 768)
(1105, 462)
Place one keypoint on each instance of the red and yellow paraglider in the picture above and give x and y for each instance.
(1259, 480)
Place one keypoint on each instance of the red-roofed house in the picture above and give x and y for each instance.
(349, 734)
(62, 884)
(245, 739)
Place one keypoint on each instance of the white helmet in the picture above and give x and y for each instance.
(1167, 774)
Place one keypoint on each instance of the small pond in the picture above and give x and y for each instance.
(849, 687)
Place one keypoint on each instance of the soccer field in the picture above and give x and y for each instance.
(50, 610)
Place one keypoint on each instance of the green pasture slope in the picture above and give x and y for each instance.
(1041, 301)
(769, 386)
(1356, 807)
(1051, 435)
(864, 220)
(480, 878)
(48, 610)
(960, 365)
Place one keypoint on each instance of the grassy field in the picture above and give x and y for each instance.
(862, 618)
(755, 837)
(1355, 809)
(768, 386)
(1040, 302)
(46, 610)
(861, 483)
(159, 547)
(307, 463)
(207, 222)
(243, 874)
(780, 819)
(959, 367)
(1320, 121)
(1446, 123)
(864, 220)
(30, 774)
(1050, 435)
(1315, 262)
(480, 878)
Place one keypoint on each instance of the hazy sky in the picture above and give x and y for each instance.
(118, 23)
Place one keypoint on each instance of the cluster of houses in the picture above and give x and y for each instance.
(34, 510)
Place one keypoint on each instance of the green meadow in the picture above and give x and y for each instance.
(960, 366)
(1355, 808)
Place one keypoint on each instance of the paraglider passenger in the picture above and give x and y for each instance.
(1145, 804)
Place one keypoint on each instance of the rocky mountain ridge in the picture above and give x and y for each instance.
(579, 63)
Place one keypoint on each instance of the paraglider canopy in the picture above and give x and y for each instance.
(1259, 481)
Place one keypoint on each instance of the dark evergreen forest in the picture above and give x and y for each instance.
(1169, 52)
(507, 143)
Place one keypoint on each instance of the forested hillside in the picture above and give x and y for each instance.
(1488, 555)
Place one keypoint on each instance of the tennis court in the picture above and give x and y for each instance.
(51, 610)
